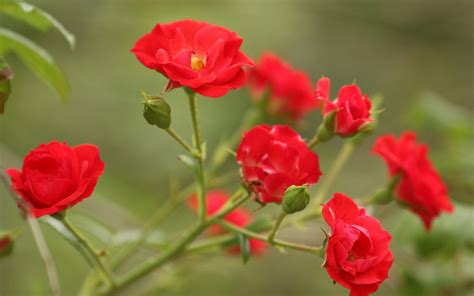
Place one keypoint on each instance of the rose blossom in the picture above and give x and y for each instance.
(55, 176)
(201, 56)
(291, 94)
(239, 217)
(420, 186)
(272, 158)
(351, 106)
(358, 252)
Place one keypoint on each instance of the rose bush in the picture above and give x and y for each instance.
(272, 158)
(201, 56)
(55, 177)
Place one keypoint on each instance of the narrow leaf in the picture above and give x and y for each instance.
(35, 17)
(36, 58)
(244, 247)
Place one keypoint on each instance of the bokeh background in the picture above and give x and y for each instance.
(418, 54)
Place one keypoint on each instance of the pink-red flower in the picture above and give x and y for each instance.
(420, 187)
(55, 177)
(239, 217)
(358, 252)
(290, 90)
(272, 158)
(201, 56)
(351, 106)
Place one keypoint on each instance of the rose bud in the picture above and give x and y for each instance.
(296, 199)
(272, 158)
(289, 90)
(358, 252)
(351, 107)
(201, 56)
(6, 245)
(55, 177)
(239, 217)
(420, 187)
(157, 112)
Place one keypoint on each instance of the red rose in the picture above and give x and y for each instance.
(358, 252)
(274, 158)
(420, 186)
(201, 56)
(352, 107)
(291, 90)
(239, 217)
(55, 176)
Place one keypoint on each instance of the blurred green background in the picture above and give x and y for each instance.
(418, 54)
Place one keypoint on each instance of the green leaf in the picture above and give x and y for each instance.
(35, 17)
(59, 227)
(6, 75)
(244, 247)
(36, 58)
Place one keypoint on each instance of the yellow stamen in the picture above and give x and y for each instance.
(197, 62)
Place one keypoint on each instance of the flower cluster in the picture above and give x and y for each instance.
(276, 164)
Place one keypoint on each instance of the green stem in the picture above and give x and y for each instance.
(211, 243)
(99, 265)
(156, 218)
(261, 237)
(178, 247)
(313, 142)
(278, 222)
(336, 167)
(180, 140)
(198, 144)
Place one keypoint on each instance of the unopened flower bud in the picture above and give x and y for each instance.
(296, 198)
(157, 112)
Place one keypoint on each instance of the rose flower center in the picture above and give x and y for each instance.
(198, 62)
